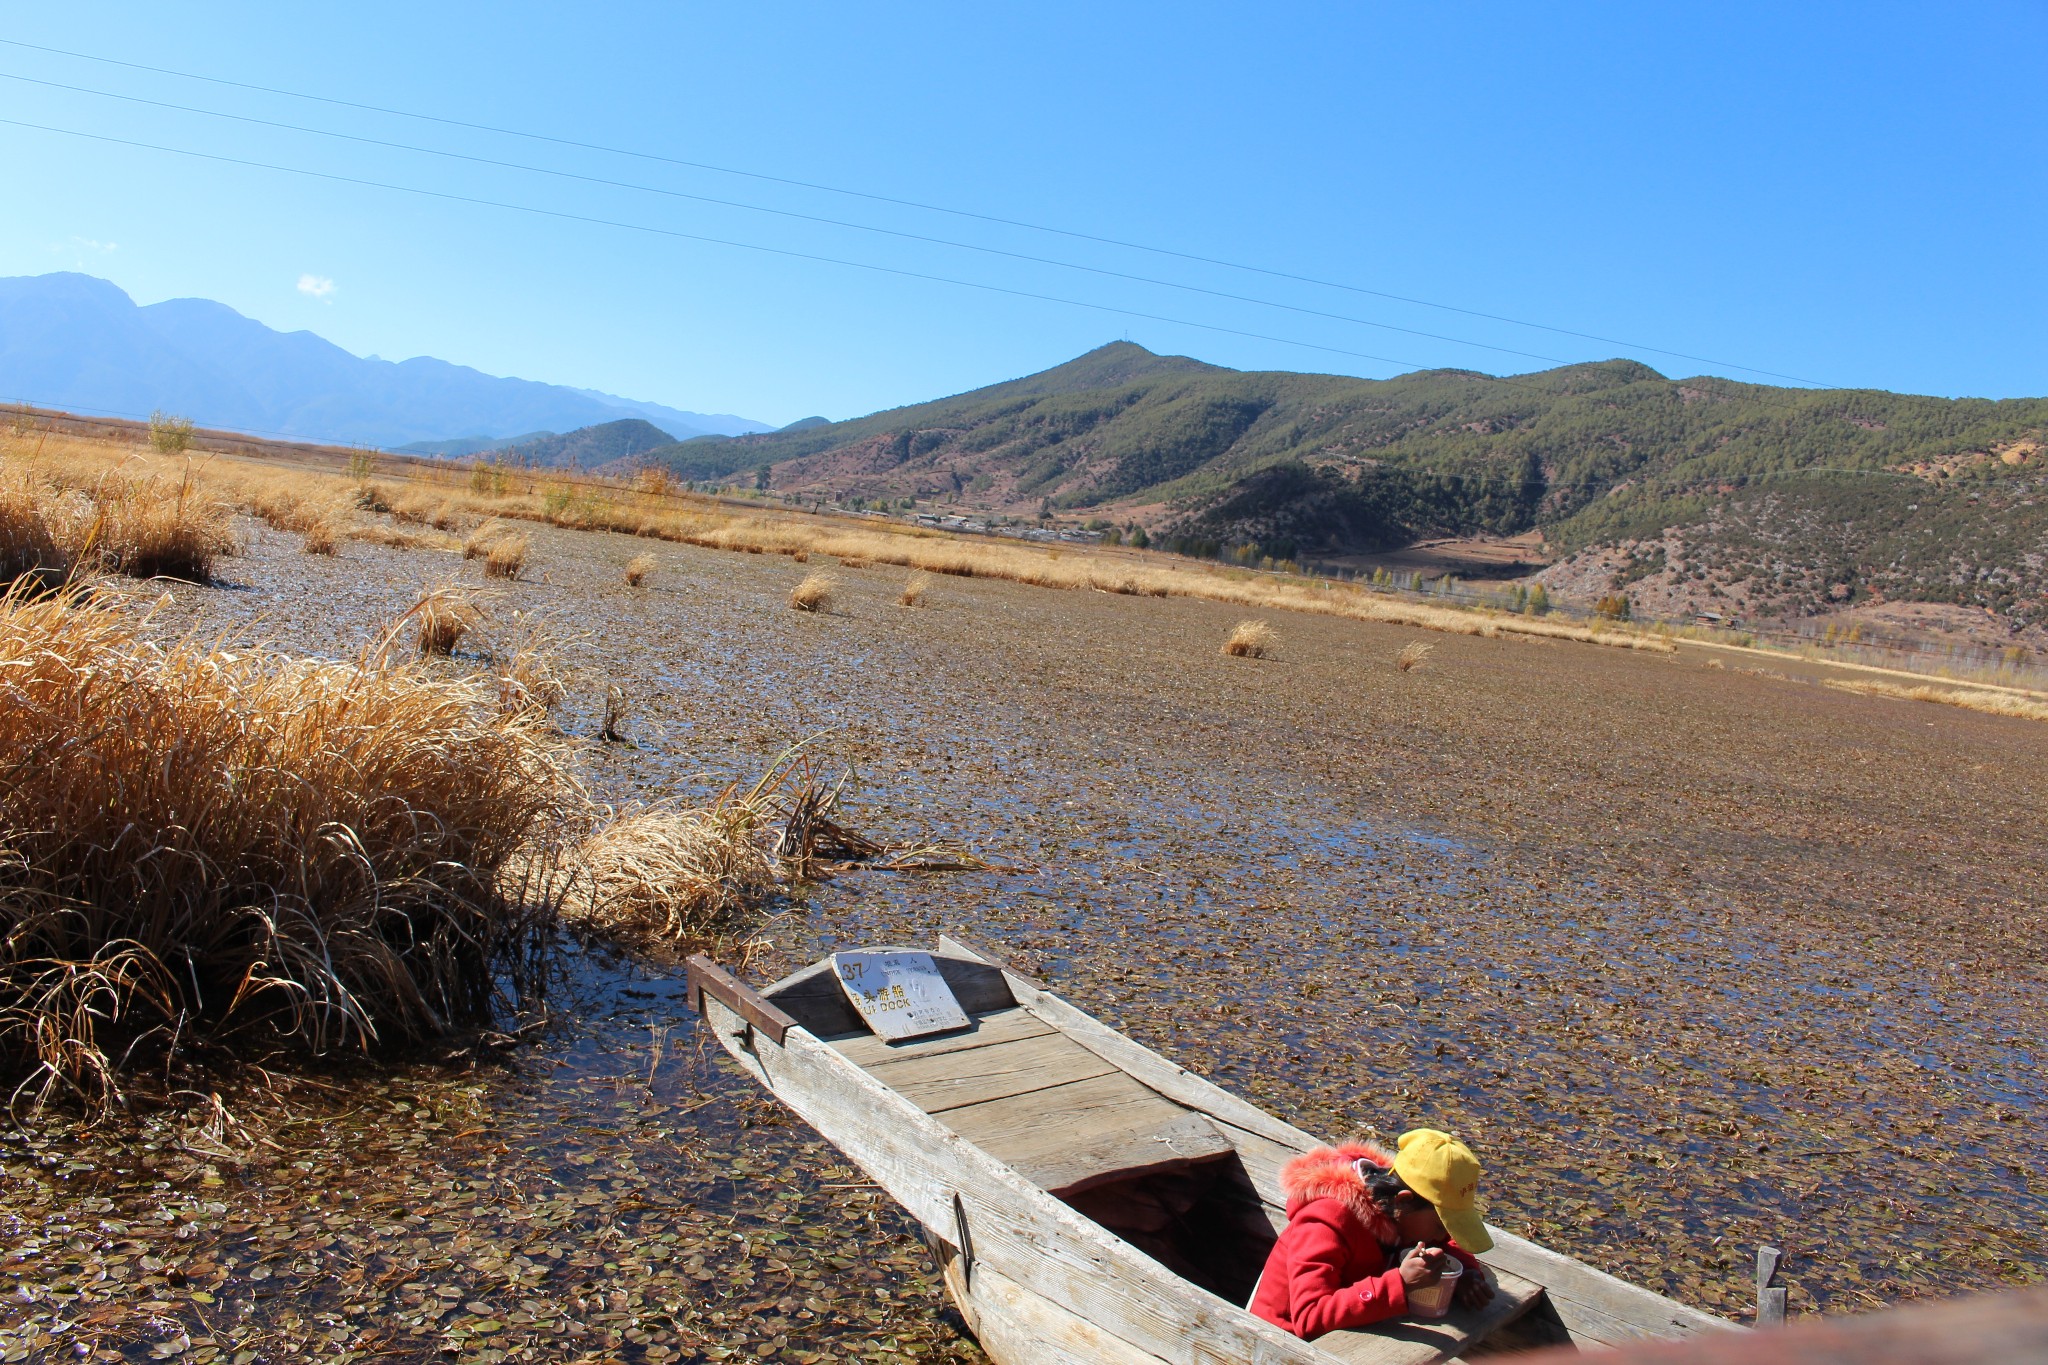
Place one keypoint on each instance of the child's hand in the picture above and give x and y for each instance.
(1422, 1266)
(1475, 1289)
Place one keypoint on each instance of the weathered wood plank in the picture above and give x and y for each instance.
(1019, 1230)
(1594, 1304)
(1070, 1136)
(1175, 1082)
(1395, 1341)
(997, 1026)
(951, 1080)
(1018, 1327)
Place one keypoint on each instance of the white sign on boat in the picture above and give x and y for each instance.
(901, 995)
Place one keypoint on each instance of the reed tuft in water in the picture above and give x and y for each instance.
(1250, 640)
(814, 593)
(329, 863)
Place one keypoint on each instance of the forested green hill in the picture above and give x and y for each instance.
(1908, 495)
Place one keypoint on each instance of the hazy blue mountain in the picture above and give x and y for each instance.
(72, 341)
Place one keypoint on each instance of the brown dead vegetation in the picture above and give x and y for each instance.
(325, 866)
(1250, 640)
(814, 593)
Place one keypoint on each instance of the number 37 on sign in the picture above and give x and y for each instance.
(900, 995)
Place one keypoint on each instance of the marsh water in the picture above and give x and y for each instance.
(1695, 961)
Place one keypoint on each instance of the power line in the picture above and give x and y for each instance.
(785, 213)
(900, 203)
(715, 241)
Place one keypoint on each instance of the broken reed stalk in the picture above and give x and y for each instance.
(914, 589)
(1251, 640)
(814, 593)
(1412, 654)
(637, 569)
(343, 855)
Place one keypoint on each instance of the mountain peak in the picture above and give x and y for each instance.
(1119, 362)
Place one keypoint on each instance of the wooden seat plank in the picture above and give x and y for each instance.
(997, 1026)
(1422, 1341)
(948, 1080)
(1070, 1136)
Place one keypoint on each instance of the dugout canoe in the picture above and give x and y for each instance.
(1088, 1200)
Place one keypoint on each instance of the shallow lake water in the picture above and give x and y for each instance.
(1695, 962)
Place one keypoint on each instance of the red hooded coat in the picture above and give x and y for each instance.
(1334, 1265)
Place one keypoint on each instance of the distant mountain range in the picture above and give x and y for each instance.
(1702, 493)
(75, 342)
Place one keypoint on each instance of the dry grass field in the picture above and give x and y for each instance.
(1696, 957)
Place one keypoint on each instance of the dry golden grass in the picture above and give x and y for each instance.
(30, 544)
(673, 876)
(323, 866)
(1973, 699)
(914, 589)
(398, 538)
(442, 616)
(814, 593)
(1250, 640)
(529, 680)
(477, 543)
(157, 528)
(445, 492)
(1412, 655)
(506, 557)
(637, 569)
(321, 539)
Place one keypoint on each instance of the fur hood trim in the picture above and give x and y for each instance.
(1331, 1173)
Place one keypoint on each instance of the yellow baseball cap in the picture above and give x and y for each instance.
(1443, 1170)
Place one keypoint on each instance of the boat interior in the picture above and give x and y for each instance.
(1170, 1180)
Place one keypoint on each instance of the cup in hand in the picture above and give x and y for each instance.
(1434, 1300)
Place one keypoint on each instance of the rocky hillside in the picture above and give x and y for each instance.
(1774, 500)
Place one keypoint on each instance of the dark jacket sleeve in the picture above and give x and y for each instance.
(1319, 1300)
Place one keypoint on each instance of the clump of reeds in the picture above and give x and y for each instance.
(1412, 654)
(330, 862)
(1250, 640)
(477, 543)
(30, 546)
(814, 593)
(637, 569)
(914, 589)
(444, 615)
(506, 557)
(149, 528)
(321, 539)
(676, 876)
(530, 682)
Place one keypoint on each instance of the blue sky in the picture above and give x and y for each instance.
(1853, 195)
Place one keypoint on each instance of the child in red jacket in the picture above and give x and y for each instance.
(1349, 1210)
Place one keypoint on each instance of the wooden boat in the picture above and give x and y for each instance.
(1087, 1199)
